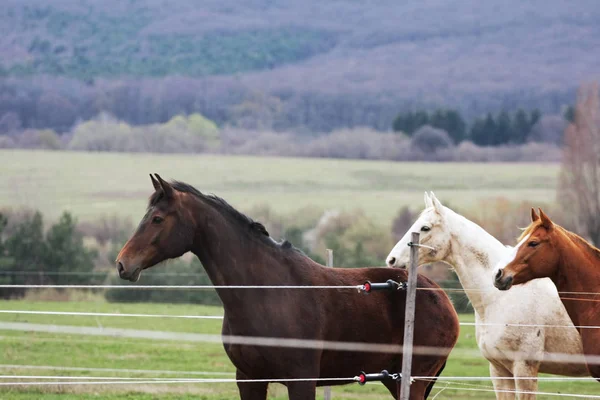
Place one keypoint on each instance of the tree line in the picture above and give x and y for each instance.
(35, 253)
(490, 130)
(32, 255)
(60, 104)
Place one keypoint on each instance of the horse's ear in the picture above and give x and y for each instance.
(534, 216)
(155, 183)
(546, 222)
(436, 203)
(428, 202)
(165, 186)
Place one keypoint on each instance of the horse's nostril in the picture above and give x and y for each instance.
(499, 274)
(120, 268)
(391, 261)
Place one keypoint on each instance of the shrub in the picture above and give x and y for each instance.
(31, 256)
(107, 229)
(101, 134)
(502, 217)
(358, 143)
(428, 139)
(549, 129)
(7, 142)
(355, 240)
(179, 135)
(402, 222)
(66, 251)
(38, 139)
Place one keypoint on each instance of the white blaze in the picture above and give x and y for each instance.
(510, 256)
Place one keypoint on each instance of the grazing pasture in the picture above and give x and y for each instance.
(94, 184)
(91, 185)
(72, 350)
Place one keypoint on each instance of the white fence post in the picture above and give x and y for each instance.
(409, 318)
(327, 389)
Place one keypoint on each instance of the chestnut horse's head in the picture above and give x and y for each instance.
(166, 231)
(535, 256)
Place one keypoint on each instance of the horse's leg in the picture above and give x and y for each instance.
(504, 387)
(433, 381)
(594, 371)
(393, 387)
(251, 390)
(590, 349)
(302, 390)
(417, 390)
(526, 369)
(424, 366)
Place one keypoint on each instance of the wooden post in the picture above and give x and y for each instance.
(327, 389)
(409, 318)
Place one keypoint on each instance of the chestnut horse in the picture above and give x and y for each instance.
(235, 250)
(546, 249)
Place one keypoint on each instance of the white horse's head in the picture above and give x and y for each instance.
(434, 233)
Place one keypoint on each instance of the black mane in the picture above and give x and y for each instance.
(255, 228)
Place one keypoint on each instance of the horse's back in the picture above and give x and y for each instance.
(434, 310)
(433, 291)
(379, 317)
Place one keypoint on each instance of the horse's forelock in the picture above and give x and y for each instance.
(425, 210)
(154, 198)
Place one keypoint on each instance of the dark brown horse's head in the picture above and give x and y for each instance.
(535, 256)
(166, 231)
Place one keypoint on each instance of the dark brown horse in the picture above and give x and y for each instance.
(548, 250)
(235, 250)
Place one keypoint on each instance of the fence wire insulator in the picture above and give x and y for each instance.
(391, 285)
(363, 377)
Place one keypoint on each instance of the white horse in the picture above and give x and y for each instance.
(510, 349)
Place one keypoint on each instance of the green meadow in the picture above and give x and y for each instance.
(92, 185)
(73, 350)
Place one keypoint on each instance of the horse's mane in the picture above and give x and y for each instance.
(255, 228)
(582, 242)
(529, 229)
(571, 235)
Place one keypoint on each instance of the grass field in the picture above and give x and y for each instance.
(72, 350)
(93, 184)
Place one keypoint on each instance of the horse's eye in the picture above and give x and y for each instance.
(157, 220)
(425, 228)
(532, 244)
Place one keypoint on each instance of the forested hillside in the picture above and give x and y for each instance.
(289, 64)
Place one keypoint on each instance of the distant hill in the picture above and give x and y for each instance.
(365, 59)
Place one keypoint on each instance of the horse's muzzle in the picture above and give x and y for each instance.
(128, 275)
(393, 262)
(501, 282)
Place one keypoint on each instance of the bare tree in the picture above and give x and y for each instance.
(579, 182)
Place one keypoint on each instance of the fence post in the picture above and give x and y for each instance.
(409, 318)
(327, 389)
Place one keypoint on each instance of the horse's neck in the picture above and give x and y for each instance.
(232, 257)
(473, 256)
(579, 271)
